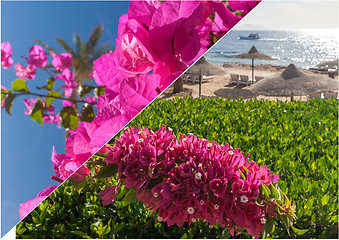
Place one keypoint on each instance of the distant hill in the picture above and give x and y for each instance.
(250, 27)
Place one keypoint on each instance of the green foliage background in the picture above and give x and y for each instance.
(297, 140)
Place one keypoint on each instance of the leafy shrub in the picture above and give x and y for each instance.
(297, 140)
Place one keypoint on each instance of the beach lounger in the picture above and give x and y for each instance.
(244, 80)
(235, 78)
(190, 78)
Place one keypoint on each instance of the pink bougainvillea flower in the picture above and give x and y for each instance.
(107, 71)
(108, 195)
(108, 124)
(242, 6)
(78, 144)
(90, 99)
(142, 11)
(138, 92)
(68, 77)
(29, 104)
(172, 30)
(62, 61)
(51, 118)
(64, 166)
(6, 53)
(66, 103)
(27, 207)
(37, 56)
(26, 73)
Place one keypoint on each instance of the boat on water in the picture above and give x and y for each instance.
(252, 36)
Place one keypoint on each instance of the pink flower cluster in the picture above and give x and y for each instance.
(6, 53)
(48, 115)
(28, 72)
(37, 59)
(191, 178)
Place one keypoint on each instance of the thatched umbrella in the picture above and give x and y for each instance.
(252, 54)
(207, 68)
(293, 82)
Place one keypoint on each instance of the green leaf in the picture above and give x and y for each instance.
(269, 225)
(69, 117)
(9, 101)
(78, 186)
(36, 112)
(130, 196)
(274, 191)
(53, 95)
(325, 199)
(20, 229)
(107, 172)
(286, 223)
(19, 85)
(85, 89)
(265, 190)
(105, 230)
(99, 91)
(87, 113)
(299, 231)
(83, 235)
(3, 93)
(50, 84)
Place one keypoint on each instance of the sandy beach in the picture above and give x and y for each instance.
(221, 86)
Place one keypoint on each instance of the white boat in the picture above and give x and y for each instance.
(252, 36)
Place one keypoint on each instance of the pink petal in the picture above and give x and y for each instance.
(138, 92)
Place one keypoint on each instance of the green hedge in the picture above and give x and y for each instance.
(297, 140)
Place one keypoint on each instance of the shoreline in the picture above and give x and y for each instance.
(221, 86)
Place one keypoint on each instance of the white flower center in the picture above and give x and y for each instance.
(216, 206)
(155, 195)
(140, 140)
(159, 218)
(202, 202)
(200, 165)
(190, 210)
(230, 152)
(244, 199)
(193, 220)
(198, 176)
(263, 220)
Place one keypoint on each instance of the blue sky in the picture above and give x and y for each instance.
(292, 14)
(26, 147)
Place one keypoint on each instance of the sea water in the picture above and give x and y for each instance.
(304, 48)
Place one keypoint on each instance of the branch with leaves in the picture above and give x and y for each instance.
(71, 67)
